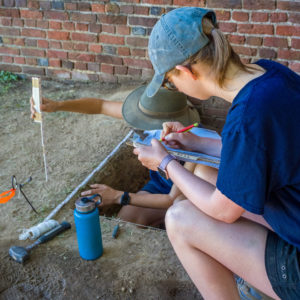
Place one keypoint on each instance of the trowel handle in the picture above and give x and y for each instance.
(54, 232)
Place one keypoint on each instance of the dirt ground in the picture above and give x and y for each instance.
(139, 264)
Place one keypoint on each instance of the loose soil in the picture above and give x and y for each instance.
(139, 264)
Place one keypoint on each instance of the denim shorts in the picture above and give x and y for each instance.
(283, 267)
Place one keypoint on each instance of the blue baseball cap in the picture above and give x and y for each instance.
(175, 37)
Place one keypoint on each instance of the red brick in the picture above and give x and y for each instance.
(108, 28)
(34, 71)
(143, 10)
(67, 45)
(107, 69)
(138, 52)
(224, 4)
(58, 35)
(33, 32)
(7, 59)
(127, 9)
(42, 24)
(29, 23)
(222, 15)
(267, 53)
(294, 17)
(19, 60)
(79, 76)
(13, 13)
(6, 21)
(70, 6)
(255, 29)
(33, 52)
(84, 37)
(7, 41)
(44, 5)
(289, 5)
(80, 47)
(137, 42)
(57, 54)
(137, 63)
(110, 39)
(55, 45)
(8, 3)
(82, 27)
(84, 6)
(31, 14)
(121, 70)
(42, 44)
(240, 16)
(93, 67)
(236, 39)
(81, 57)
(68, 26)
(197, 3)
(61, 74)
(109, 19)
(108, 59)
(254, 41)
(288, 30)
(275, 42)
(259, 17)
(112, 8)
(56, 63)
(134, 72)
(295, 66)
(19, 42)
(55, 15)
(104, 77)
(10, 68)
(259, 4)
(227, 27)
(83, 17)
(95, 48)
(288, 54)
(296, 43)
(33, 4)
(95, 28)
(149, 22)
(31, 61)
(156, 2)
(55, 25)
(245, 50)
(123, 30)
(18, 23)
(278, 17)
(98, 7)
(80, 65)
(124, 51)
(31, 42)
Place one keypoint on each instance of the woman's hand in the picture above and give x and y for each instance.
(151, 156)
(184, 140)
(47, 105)
(109, 195)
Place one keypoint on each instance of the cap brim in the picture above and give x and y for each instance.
(154, 85)
(137, 119)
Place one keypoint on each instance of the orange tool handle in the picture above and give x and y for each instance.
(7, 195)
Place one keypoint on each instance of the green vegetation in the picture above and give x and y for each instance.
(6, 81)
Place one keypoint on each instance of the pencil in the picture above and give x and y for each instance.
(185, 129)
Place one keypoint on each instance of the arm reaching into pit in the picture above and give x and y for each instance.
(82, 105)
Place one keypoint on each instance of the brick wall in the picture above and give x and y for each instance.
(107, 40)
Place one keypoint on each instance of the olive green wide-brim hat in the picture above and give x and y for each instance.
(145, 113)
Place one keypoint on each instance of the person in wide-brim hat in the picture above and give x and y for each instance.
(146, 113)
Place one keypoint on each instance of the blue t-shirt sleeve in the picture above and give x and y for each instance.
(243, 173)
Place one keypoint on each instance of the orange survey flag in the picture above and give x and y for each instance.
(7, 195)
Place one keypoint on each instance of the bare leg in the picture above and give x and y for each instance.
(211, 251)
(141, 215)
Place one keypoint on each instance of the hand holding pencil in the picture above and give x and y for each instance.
(185, 129)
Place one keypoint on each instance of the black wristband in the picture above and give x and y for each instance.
(125, 199)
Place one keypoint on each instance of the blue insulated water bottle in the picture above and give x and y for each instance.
(86, 216)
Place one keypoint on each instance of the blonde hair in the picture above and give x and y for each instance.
(217, 54)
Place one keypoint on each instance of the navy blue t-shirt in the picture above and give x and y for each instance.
(260, 158)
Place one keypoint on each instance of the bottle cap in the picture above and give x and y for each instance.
(87, 204)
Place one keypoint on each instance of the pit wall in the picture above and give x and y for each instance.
(107, 40)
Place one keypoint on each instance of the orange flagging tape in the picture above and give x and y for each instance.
(7, 195)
